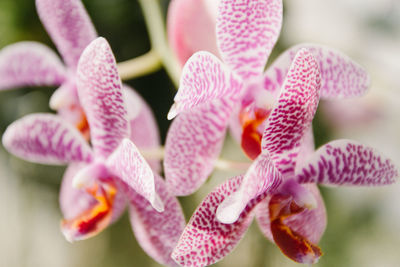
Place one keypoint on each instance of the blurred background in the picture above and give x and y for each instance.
(363, 224)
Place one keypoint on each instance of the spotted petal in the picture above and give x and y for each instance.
(144, 130)
(205, 240)
(310, 224)
(261, 178)
(157, 232)
(341, 77)
(293, 113)
(204, 79)
(30, 64)
(191, 27)
(194, 141)
(246, 33)
(129, 165)
(345, 162)
(45, 138)
(69, 26)
(100, 93)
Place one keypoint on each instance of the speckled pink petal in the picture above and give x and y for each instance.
(69, 25)
(144, 130)
(345, 162)
(205, 240)
(310, 224)
(30, 64)
(100, 93)
(293, 112)
(128, 164)
(157, 232)
(46, 138)
(246, 33)
(262, 177)
(74, 201)
(193, 144)
(341, 77)
(191, 27)
(204, 79)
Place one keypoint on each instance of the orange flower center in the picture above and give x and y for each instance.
(251, 134)
(96, 218)
(291, 243)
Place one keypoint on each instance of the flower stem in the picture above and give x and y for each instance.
(156, 28)
(139, 66)
(220, 164)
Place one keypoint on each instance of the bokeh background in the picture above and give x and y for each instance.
(363, 224)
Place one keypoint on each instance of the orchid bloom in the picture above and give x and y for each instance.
(108, 173)
(280, 185)
(237, 92)
(33, 64)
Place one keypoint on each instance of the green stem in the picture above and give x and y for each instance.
(139, 66)
(156, 28)
(220, 164)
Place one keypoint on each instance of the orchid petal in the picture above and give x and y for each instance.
(45, 138)
(310, 224)
(144, 130)
(261, 178)
(69, 25)
(204, 79)
(345, 162)
(157, 232)
(191, 27)
(293, 113)
(341, 77)
(129, 165)
(30, 64)
(246, 33)
(194, 141)
(100, 93)
(205, 240)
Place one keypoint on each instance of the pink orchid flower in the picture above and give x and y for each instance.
(107, 173)
(280, 185)
(237, 91)
(34, 64)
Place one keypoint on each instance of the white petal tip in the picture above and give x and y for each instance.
(228, 212)
(172, 112)
(157, 203)
(79, 181)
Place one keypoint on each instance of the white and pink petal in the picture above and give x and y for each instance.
(194, 142)
(247, 32)
(346, 162)
(204, 79)
(341, 77)
(261, 178)
(100, 93)
(69, 26)
(144, 129)
(157, 232)
(205, 240)
(30, 64)
(292, 115)
(46, 138)
(129, 165)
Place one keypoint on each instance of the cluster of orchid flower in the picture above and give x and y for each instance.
(268, 112)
